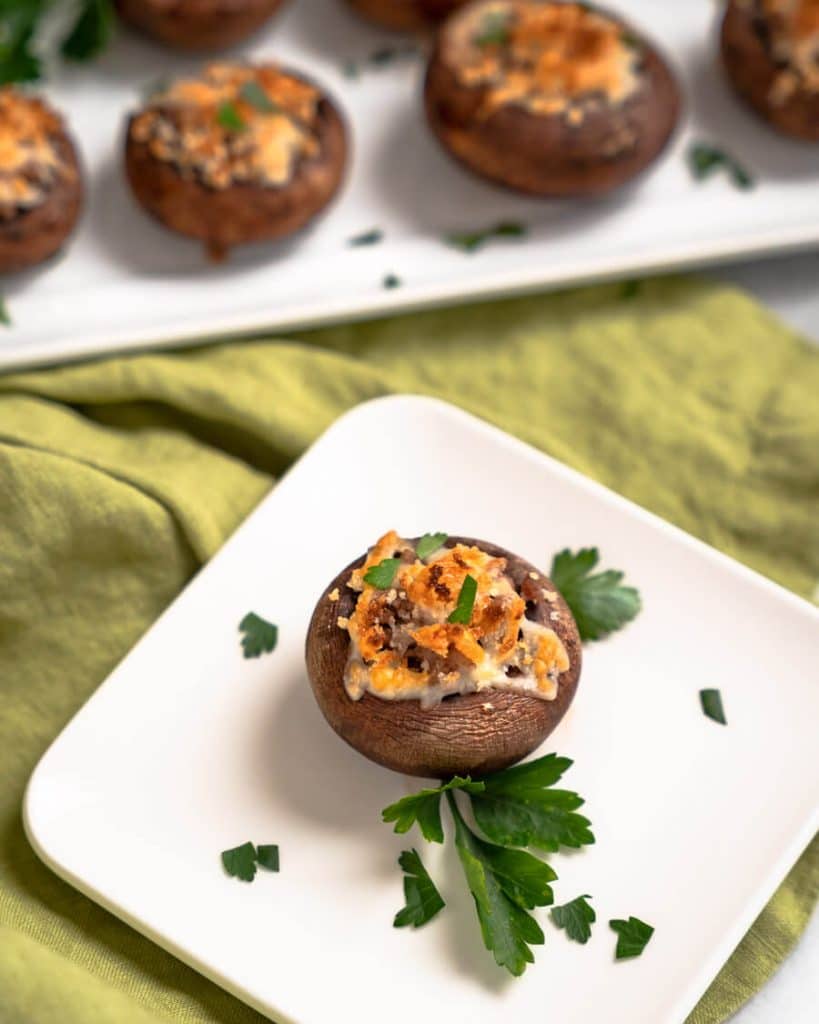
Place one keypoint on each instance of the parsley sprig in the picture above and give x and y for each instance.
(512, 808)
(599, 603)
(259, 635)
(423, 901)
(704, 160)
(20, 29)
(576, 918)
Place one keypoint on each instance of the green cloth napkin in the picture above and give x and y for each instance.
(119, 478)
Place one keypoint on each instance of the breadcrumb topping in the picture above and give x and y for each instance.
(271, 124)
(551, 58)
(403, 646)
(31, 162)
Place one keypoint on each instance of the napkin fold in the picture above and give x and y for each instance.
(119, 478)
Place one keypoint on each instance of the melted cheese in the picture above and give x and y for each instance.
(181, 126)
(793, 29)
(30, 162)
(403, 647)
(547, 57)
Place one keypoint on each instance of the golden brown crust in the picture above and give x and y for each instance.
(405, 15)
(197, 25)
(242, 211)
(591, 146)
(466, 734)
(771, 87)
(34, 232)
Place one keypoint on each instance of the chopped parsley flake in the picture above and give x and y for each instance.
(260, 636)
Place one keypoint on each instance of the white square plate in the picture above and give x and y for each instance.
(188, 749)
(125, 282)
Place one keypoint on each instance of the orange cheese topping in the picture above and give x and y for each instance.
(234, 124)
(403, 645)
(793, 27)
(30, 160)
(546, 57)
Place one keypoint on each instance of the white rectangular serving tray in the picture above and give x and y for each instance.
(188, 749)
(125, 282)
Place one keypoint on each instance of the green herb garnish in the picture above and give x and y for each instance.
(470, 241)
(599, 604)
(518, 807)
(576, 918)
(240, 862)
(462, 612)
(391, 281)
(632, 937)
(382, 575)
(260, 636)
(428, 544)
(5, 318)
(251, 92)
(504, 884)
(424, 808)
(267, 857)
(422, 899)
(511, 809)
(91, 31)
(711, 701)
(379, 58)
(81, 39)
(494, 30)
(229, 117)
(704, 160)
(372, 237)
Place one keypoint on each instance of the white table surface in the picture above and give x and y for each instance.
(789, 285)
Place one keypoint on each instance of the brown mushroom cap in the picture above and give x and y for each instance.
(243, 212)
(197, 25)
(35, 234)
(545, 154)
(466, 734)
(754, 73)
(405, 15)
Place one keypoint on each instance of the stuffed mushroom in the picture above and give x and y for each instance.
(552, 99)
(405, 15)
(40, 181)
(197, 24)
(240, 154)
(770, 50)
(459, 660)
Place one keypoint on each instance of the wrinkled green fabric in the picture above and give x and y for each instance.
(119, 478)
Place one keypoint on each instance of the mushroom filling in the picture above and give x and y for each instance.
(790, 31)
(550, 58)
(236, 124)
(31, 162)
(403, 645)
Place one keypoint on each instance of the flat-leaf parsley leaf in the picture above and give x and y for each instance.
(599, 603)
(632, 937)
(429, 544)
(424, 808)
(508, 930)
(462, 611)
(711, 701)
(240, 862)
(518, 807)
(267, 857)
(576, 917)
(260, 636)
(381, 576)
(422, 899)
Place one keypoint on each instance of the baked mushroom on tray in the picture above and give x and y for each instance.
(442, 656)
(198, 25)
(770, 50)
(242, 153)
(40, 181)
(405, 15)
(551, 99)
